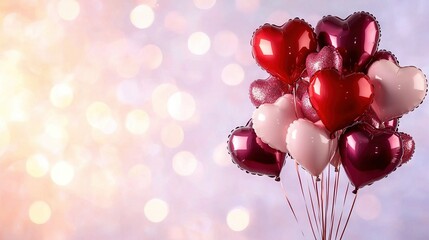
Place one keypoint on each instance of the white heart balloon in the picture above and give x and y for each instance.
(310, 146)
(271, 121)
(397, 90)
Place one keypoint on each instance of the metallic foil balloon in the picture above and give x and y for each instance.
(398, 90)
(303, 98)
(386, 55)
(271, 121)
(310, 146)
(267, 91)
(408, 145)
(356, 38)
(339, 100)
(369, 154)
(282, 50)
(252, 155)
(371, 118)
(328, 57)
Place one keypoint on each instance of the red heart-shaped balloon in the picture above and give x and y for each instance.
(339, 100)
(282, 50)
(369, 154)
(356, 38)
(254, 156)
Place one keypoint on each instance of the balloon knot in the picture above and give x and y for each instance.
(355, 191)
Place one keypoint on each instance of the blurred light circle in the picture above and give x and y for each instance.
(4, 137)
(37, 165)
(39, 212)
(62, 173)
(61, 95)
(238, 219)
(142, 16)
(181, 106)
(221, 156)
(156, 210)
(160, 96)
(225, 43)
(151, 56)
(172, 135)
(368, 207)
(184, 163)
(137, 122)
(204, 4)
(198, 43)
(68, 9)
(99, 116)
(232, 74)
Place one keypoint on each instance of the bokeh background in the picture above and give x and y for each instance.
(114, 117)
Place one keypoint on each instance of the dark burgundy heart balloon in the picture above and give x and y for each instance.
(356, 38)
(254, 156)
(409, 147)
(282, 50)
(328, 57)
(339, 100)
(267, 91)
(369, 154)
(304, 99)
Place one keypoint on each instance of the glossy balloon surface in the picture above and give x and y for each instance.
(369, 154)
(339, 100)
(282, 50)
(356, 38)
(398, 90)
(252, 155)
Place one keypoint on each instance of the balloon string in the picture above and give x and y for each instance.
(334, 201)
(322, 190)
(327, 200)
(342, 210)
(348, 217)
(316, 189)
(291, 208)
(305, 201)
(312, 205)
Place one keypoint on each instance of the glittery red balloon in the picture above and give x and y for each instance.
(282, 50)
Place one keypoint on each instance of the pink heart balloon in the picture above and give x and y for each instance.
(267, 91)
(328, 57)
(271, 121)
(310, 146)
(369, 154)
(252, 155)
(397, 90)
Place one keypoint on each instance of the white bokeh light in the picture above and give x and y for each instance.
(62, 173)
(68, 9)
(39, 212)
(181, 106)
(238, 219)
(232, 74)
(156, 210)
(142, 16)
(184, 163)
(199, 43)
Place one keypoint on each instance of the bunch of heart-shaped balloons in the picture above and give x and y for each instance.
(331, 98)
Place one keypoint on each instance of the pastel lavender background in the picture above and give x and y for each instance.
(116, 172)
